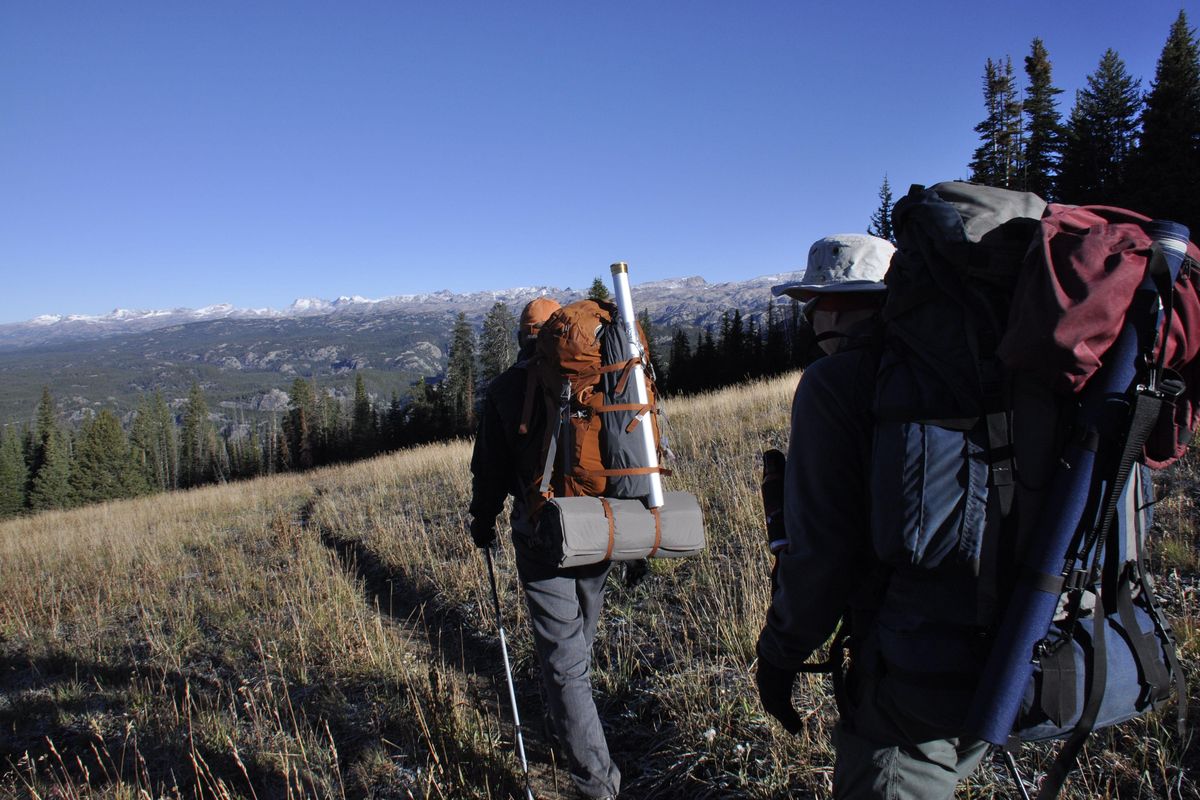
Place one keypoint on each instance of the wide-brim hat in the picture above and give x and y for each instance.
(841, 264)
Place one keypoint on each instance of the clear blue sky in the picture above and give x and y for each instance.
(162, 154)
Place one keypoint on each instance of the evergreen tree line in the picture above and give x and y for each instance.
(1119, 146)
(45, 465)
(743, 348)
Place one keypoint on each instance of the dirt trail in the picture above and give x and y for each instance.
(439, 635)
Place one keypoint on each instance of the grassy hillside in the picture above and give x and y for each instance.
(329, 635)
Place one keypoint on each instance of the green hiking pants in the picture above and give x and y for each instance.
(900, 745)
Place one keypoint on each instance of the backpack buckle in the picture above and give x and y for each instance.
(1076, 580)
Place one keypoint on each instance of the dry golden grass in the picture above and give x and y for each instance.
(330, 635)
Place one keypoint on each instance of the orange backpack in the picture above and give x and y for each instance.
(581, 370)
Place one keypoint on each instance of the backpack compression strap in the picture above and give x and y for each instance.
(657, 532)
(612, 527)
(640, 409)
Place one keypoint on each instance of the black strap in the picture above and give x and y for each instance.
(1147, 405)
(1165, 632)
(1146, 647)
(553, 430)
(1041, 582)
(1000, 449)
(1095, 679)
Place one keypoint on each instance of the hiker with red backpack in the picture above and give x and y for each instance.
(564, 604)
(966, 495)
(891, 738)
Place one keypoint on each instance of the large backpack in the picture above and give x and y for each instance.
(583, 372)
(1003, 446)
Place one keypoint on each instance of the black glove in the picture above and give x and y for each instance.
(635, 571)
(775, 692)
(483, 532)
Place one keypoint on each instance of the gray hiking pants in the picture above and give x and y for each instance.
(564, 608)
(896, 747)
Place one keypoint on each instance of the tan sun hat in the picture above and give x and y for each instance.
(534, 315)
(844, 262)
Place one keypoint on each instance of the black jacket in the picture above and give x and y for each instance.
(506, 462)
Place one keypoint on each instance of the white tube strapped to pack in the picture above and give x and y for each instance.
(620, 274)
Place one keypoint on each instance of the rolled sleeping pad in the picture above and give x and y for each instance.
(1031, 609)
(587, 530)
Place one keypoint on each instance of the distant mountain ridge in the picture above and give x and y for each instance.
(246, 358)
(48, 328)
(678, 297)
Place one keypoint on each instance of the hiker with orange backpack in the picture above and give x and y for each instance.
(564, 604)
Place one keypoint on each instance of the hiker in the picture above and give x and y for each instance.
(564, 604)
(842, 290)
(896, 738)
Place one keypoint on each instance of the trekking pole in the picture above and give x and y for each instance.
(1016, 773)
(512, 692)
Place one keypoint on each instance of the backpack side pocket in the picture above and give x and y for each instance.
(929, 488)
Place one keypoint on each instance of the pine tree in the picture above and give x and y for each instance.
(731, 348)
(333, 438)
(997, 159)
(154, 442)
(50, 467)
(599, 291)
(298, 425)
(497, 343)
(1043, 124)
(460, 375)
(881, 220)
(430, 414)
(776, 357)
(1165, 170)
(283, 452)
(706, 364)
(1101, 135)
(395, 422)
(105, 467)
(363, 431)
(754, 347)
(679, 367)
(142, 441)
(14, 475)
(168, 439)
(198, 445)
(246, 454)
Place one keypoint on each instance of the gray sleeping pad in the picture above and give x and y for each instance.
(576, 530)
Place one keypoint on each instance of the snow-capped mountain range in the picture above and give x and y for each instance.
(689, 301)
(245, 359)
